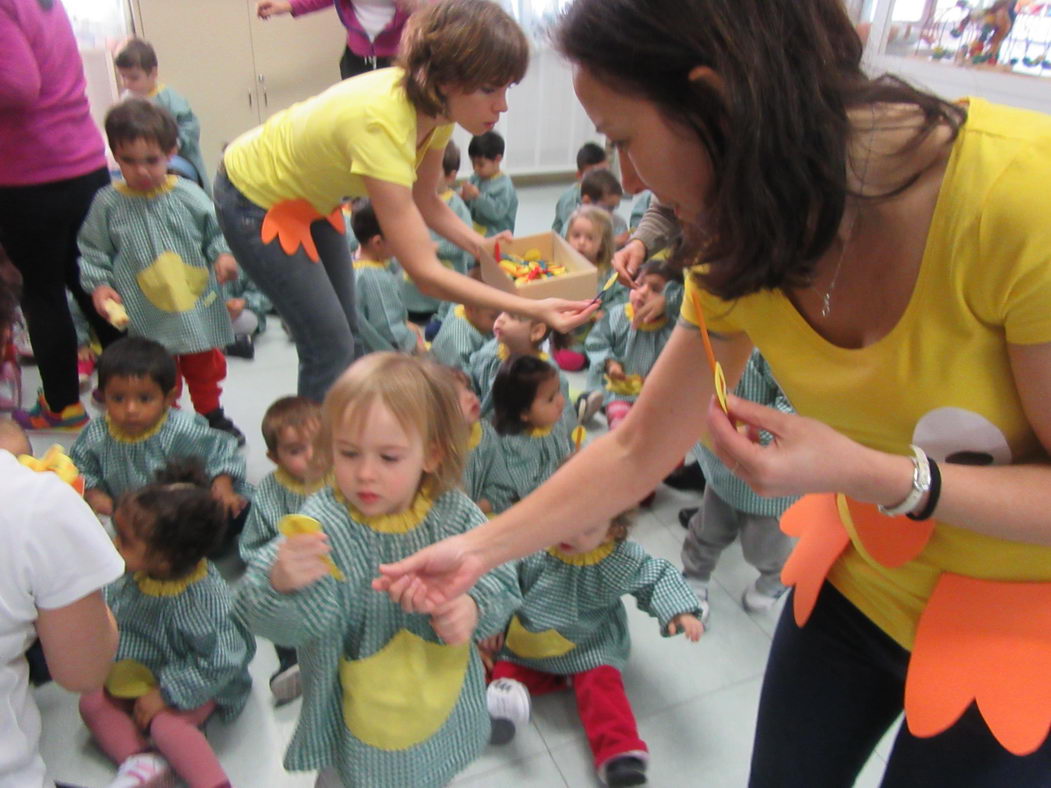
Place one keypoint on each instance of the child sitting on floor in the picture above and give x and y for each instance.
(513, 335)
(247, 306)
(572, 631)
(389, 698)
(591, 156)
(601, 188)
(137, 66)
(485, 477)
(152, 244)
(182, 655)
(528, 413)
(590, 233)
(290, 426)
(464, 330)
(620, 354)
(383, 322)
(490, 195)
(141, 432)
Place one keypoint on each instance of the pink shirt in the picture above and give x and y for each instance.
(385, 44)
(46, 130)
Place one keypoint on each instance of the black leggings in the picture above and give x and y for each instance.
(350, 65)
(38, 228)
(834, 687)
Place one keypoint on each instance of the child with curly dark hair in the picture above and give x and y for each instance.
(528, 410)
(182, 654)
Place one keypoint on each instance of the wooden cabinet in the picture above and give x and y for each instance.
(235, 69)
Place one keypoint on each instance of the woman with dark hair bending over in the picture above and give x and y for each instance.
(889, 254)
(380, 135)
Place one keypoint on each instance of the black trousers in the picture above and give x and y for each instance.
(38, 228)
(350, 65)
(832, 689)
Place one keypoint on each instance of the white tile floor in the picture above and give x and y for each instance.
(695, 703)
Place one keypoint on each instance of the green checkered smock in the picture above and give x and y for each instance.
(495, 209)
(485, 472)
(189, 130)
(457, 340)
(337, 625)
(485, 363)
(579, 597)
(382, 317)
(275, 496)
(190, 639)
(532, 458)
(116, 464)
(614, 339)
(255, 300)
(156, 250)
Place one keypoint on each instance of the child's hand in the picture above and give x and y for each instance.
(484, 505)
(689, 624)
(99, 502)
(300, 562)
(147, 707)
(235, 306)
(225, 268)
(652, 310)
(100, 295)
(421, 343)
(469, 191)
(455, 620)
(223, 492)
(489, 648)
(615, 370)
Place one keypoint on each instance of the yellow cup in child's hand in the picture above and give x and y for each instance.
(295, 524)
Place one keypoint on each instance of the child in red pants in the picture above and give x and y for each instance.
(572, 629)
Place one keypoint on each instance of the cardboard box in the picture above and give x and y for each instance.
(579, 283)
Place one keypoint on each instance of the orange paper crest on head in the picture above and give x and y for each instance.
(289, 221)
(986, 642)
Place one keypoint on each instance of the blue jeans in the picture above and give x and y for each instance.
(316, 300)
(834, 687)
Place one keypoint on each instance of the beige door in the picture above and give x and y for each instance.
(204, 51)
(295, 58)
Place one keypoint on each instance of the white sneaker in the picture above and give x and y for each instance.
(700, 589)
(286, 684)
(509, 706)
(755, 601)
(144, 770)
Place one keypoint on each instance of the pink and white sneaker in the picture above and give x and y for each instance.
(144, 770)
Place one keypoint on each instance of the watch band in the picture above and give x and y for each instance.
(921, 483)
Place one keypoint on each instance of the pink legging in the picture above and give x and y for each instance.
(616, 411)
(176, 735)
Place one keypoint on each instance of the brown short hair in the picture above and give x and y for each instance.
(419, 395)
(620, 526)
(136, 54)
(295, 412)
(776, 130)
(139, 119)
(472, 44)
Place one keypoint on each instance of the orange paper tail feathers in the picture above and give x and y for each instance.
(986, 642)
(289, 221)
(815, 521)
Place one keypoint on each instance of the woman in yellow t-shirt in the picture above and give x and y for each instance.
(380, 135)
(890, 255)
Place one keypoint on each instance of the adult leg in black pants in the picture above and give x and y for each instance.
(832, 689)
(38, 228)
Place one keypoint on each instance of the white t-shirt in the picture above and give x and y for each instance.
(54, 552)
(374, 15)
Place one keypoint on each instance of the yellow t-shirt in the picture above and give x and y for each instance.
(320, 148)
(941, 378)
